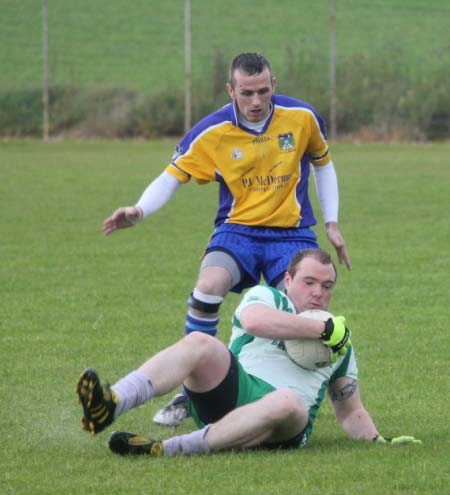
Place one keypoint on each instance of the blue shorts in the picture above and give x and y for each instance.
(260, 251)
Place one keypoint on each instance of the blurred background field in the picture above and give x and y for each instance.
(116, 68)
(71, 298)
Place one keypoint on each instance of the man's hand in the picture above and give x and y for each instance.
(402, 440)
(335, 237)
(122, 218)
(336, 335)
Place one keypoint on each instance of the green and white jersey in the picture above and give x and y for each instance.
(267, 359)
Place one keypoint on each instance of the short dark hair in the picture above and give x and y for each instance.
(249, 62)
(318, 254)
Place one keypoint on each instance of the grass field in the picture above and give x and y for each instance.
(117, 68)
(140, 44)
(71, 298)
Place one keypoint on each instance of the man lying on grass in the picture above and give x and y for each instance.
(250, 394)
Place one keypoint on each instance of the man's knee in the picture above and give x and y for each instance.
(198, 340)
(214, 281)
(211, 361)
(201, 344)
(284, 405)
(219, 272)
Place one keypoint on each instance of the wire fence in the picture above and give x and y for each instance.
(117, 68)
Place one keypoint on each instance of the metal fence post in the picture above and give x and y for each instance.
(187, 66)
(332, 28)
(45, 91)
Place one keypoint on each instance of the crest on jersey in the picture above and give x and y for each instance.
(237, 154)
(286, 141)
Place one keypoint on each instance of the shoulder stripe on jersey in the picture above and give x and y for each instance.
(237, 346)
(200, 135)
(280, 301)
(312, 412)
(307, 110)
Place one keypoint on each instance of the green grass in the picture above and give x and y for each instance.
(71, 298)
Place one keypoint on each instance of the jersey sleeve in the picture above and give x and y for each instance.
(263, 294)
(196, 154)
(196, 161)
(318, 151)
(176, 172)
(347, 367)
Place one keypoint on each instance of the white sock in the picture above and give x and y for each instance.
(132, 391)
(191, 443)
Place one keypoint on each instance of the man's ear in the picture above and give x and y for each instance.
(230, 90)
(274, 83)
(287, 280)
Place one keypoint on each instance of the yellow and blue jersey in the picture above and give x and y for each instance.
(263, 176)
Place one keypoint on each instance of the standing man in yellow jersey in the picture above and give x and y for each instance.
(260, 149)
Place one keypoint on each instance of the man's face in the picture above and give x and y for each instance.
(252, 94)
(312, 285)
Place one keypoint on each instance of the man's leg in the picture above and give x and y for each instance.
(276, 418)
(218, 274)
(198, 360)
(213, 283)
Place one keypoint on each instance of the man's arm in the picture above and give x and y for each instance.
(269, 323)
(263, 321)
(352, 415)
(155, 196)
(349, 410)
(328, 195)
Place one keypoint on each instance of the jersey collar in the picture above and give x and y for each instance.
(247, 129)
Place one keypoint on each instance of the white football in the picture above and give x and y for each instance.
(310, 353)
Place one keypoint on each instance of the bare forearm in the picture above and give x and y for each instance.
(262, 321)
(359, 425)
